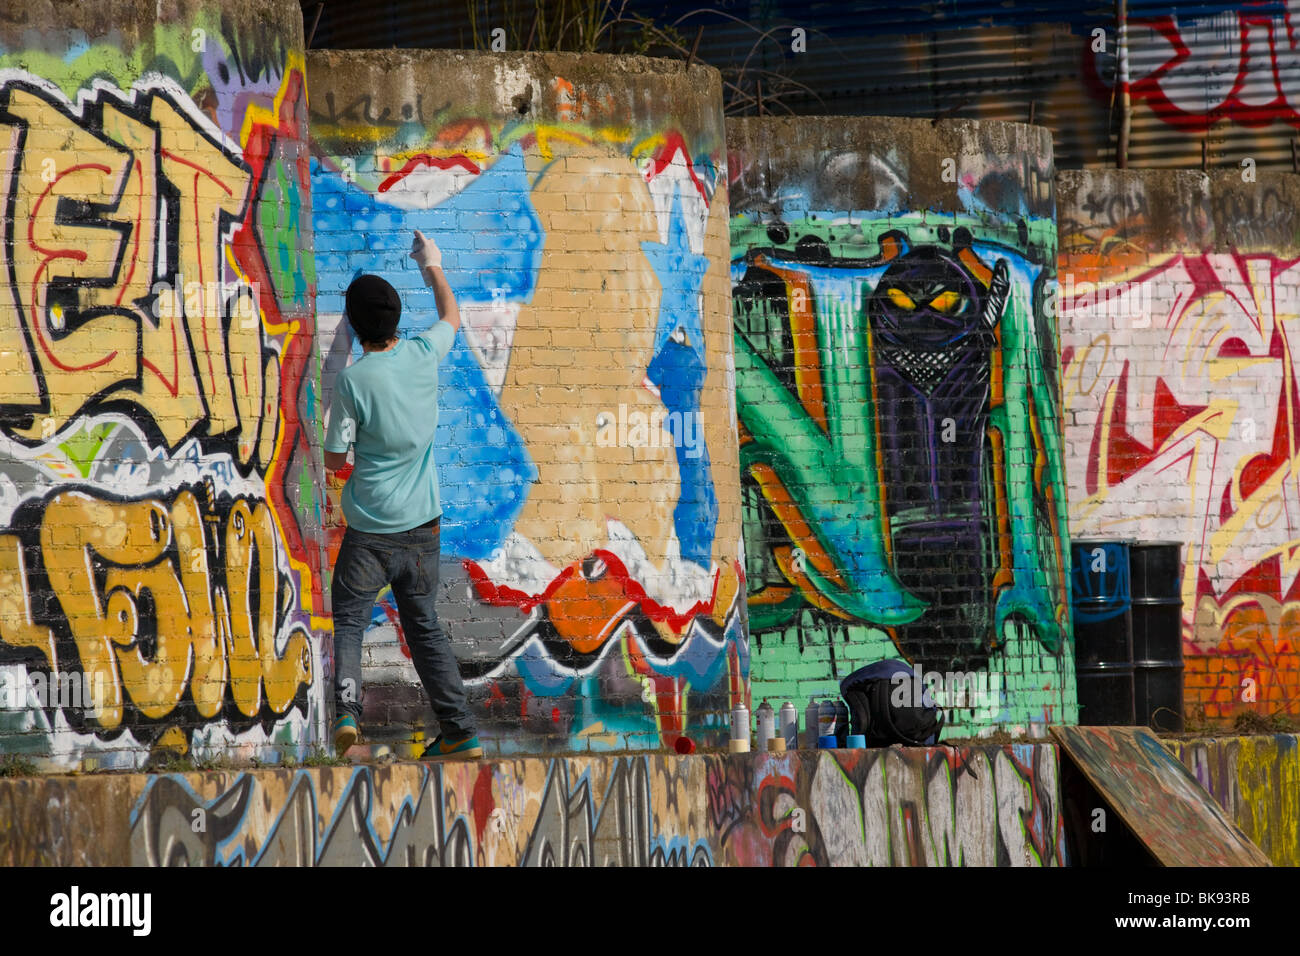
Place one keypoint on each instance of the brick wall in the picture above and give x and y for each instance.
(590, 562)
(898, 395)
(1179, 296)
(159, 568)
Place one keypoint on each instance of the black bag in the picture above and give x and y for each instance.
(884, 706)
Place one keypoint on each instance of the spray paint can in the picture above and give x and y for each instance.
(789, 725)
(766, 724)
(811, 716)
(739, 729)
(826, 719)
(841, 722)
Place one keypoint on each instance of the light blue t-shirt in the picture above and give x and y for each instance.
(386, 404)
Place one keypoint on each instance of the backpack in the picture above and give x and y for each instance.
(882, 708)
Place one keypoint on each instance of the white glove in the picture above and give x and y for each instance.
(424, 252)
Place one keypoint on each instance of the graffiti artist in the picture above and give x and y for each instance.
(385, 407)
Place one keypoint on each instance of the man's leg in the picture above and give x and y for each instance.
(359, 574)
(415, 588)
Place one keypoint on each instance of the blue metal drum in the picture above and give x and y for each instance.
(1101, 602)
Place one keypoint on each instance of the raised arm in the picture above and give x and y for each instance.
(429, 257)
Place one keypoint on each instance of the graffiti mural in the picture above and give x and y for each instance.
(1238, 63)
(976, 806)
(585, 814)
(1180, 381)
(157, 491)
(590, 539)
(915, 807)
(1257, 782)
(1218, 77)
(209, 579)
(900, 449)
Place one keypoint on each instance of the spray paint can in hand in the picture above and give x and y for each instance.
(739, 743)
(766, 724)
(811, 716)
(789, 725)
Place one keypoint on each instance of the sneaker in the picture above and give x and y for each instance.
(346, 733)
(440, 749)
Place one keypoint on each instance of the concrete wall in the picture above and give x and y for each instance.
(991, 806)
(159, 568)
(590, 563)
(898, 393)
(1257, 780)
(1179, 295)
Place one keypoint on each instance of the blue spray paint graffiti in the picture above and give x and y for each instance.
(492, 245)
(678, 370)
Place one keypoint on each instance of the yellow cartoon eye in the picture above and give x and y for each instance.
(946, 302)
(900, 298)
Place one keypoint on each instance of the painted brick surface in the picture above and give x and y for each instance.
(981, 806)
(898, 394)
(591, 551)
(1180, 293)
(1257, 780)
(159, 566)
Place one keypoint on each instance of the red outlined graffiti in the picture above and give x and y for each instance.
(1240, 66)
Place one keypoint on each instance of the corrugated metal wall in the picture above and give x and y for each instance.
(1220, 76)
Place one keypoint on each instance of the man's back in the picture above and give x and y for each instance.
(387, 405)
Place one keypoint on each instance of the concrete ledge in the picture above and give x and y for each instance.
(993, 806)
(1257, 781)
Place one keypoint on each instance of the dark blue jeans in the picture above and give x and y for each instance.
(408, 561)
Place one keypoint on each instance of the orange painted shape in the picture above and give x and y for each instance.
(787, 512)
(785, 561)
(976, 266)
(803, 335)
(585, 612)
(1003, 577)
(772, 594)
(1044, 488)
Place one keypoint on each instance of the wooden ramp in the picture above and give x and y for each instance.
(1156, 796)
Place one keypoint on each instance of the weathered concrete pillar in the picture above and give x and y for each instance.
(586, 438)
(898, 395)
(159, 566)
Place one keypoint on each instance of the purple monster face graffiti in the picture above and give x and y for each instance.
(932, 317)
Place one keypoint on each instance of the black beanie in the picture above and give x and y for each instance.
(374, 309)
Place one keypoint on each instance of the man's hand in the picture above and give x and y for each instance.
(429, 258)
(426, 254)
